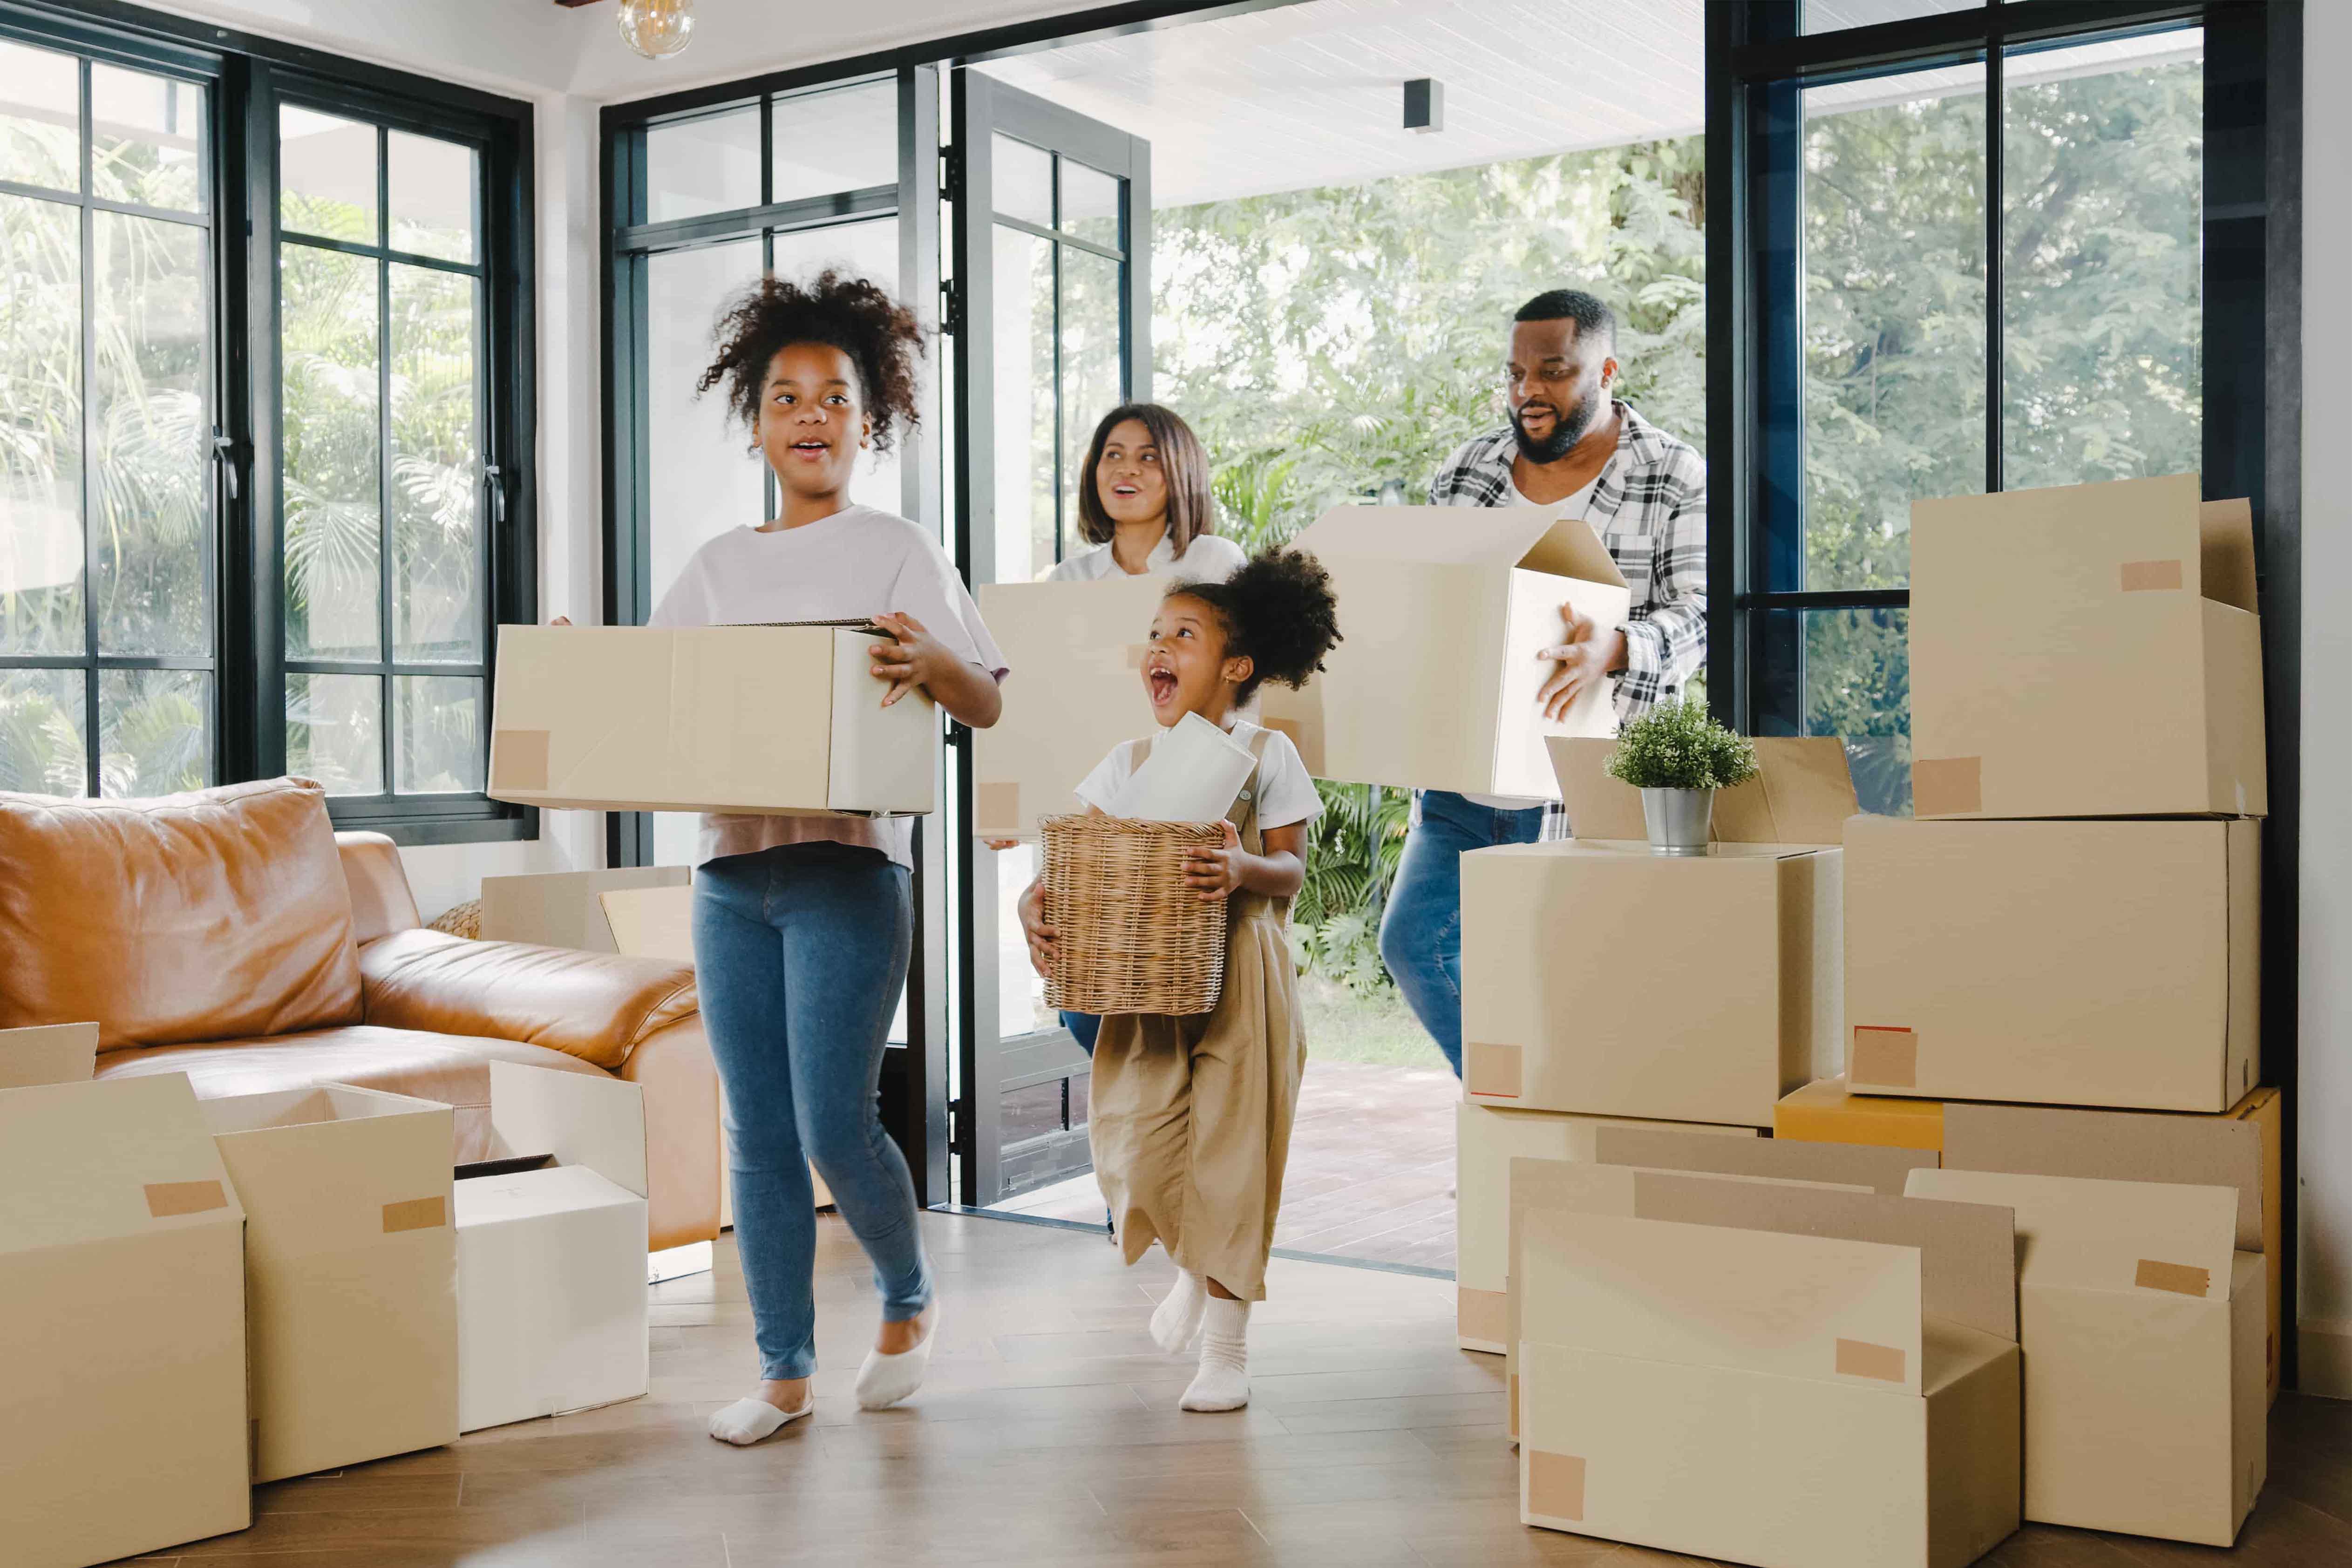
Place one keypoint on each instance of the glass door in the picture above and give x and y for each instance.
(1051, 301)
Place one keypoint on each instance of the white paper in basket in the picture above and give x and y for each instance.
(1194, 771)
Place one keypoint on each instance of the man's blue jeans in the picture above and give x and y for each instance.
(1083, 1028)
(800, 952)
(1421, 932)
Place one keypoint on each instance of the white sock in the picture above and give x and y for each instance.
(748, 1421)
(1178, 1319)
(885, 1380)
(1223, 1382)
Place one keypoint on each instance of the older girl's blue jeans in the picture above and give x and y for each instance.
(1421, 931)
(800, 952)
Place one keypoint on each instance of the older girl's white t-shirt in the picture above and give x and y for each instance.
(1286, 794)
(859, 561)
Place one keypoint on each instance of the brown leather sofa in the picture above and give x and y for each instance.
(232, 935)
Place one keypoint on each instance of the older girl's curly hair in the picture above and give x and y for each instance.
(1279, 608)
(880, 336)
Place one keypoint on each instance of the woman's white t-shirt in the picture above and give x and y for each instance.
(1210, 558)
(859, 561)
(1286, 794)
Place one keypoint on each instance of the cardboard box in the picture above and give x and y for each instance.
(2142, 1327)
(770, 720)
(48, 1053)
(350, 1269)
(123, 1412)
(1075, 650)
(551, 1262)
(566, 908)
(1488, 1141)
(2085, 652)
(2058, 963)
(1446, 610)
(1572, 1001)
(1826, 1112)
(1772, 1373)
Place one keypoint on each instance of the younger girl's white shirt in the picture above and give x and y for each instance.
(1286, 794)
(1210, 558)
(859, 561)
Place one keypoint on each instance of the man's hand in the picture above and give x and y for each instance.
(909, 657)
(1216, 873)
(1033, 927)
(1585, 660)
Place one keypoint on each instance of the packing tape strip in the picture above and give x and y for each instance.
(2151, 576)
(2180, 1279)
(1556, 1485)
(519, 759)
(1482, 1314)
(1883, 1056)
(1948, 786)
(1492, 1070)
(167, 1199)
(1860, 1358)
(416, 1214)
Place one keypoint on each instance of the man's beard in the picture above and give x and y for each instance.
(1566, 429)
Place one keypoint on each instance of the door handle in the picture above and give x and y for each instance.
(225, 453)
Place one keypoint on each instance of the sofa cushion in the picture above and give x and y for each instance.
(452, 1069)
(212, 916)
(593, 1006)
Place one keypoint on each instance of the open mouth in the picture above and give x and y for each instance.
(811, 448)
(1162, 685)
(1537, 414)
(1124, 490)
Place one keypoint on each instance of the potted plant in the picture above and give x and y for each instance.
(1678, 756)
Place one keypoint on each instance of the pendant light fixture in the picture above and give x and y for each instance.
(656, 28)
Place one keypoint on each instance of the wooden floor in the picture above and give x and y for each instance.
(1371, 1168)
(1048, 1433)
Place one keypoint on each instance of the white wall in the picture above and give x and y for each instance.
(2324, 1176)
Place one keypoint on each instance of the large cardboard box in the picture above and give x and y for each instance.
(350, 1269)
(1075, 650)
(1599, 977)
(123, 1412)
(2079, 963)
(551, 1262)
(772, 720)
(567, 908)
(1488, 1141)
(2142, 1327)
(1446, 610)
(1772, 1373)
(2085, 652)
(48, 1053)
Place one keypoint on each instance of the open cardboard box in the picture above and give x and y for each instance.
(1768, 1373)
(1446, 610)
(2142, 1326)
(123, 1408)
(769, 720)
(1571, 1002)
(567, 908)
(2063, 963)
(48, 1053)
(2091, 651)
(1075, 650)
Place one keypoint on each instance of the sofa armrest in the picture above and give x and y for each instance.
(684, 1150)
(598, 1007)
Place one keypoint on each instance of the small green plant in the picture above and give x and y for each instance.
(1678, 746)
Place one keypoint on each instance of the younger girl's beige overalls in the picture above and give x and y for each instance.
(1189, 1117)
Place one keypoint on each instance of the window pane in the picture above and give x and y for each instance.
(1025, 439)
(326, 176)
(43, 732)
(438, 749)
(435, 187)
(2102, 197)
(1090, 202)
(333, 521)
(1092, 378)
(1020, 993)
(154, 732)
(332, 729)
(1831, 15)
(40, 117)
(707, 165)
(146, 132)
(1025, 181)
(40, 409)
(1893, 238)
(867, 250)
(154, 550)
(700, 480)
(1852, 669)
(436, 472)
(846, 139)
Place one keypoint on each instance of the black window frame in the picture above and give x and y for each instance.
(246, 76)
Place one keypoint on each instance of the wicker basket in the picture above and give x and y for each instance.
(1128, 935)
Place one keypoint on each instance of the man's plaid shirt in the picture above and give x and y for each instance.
(1650, 508)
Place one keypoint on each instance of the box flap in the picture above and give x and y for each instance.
(2225, 551)
(582, 1119)
(1801, 794)
(1815, 1307)
(48, 1053)
(233, 1114)
(2106, 1235)
(535, 1195)
(2114, 1146)
(1529, 537)
(651, 921)
(1851, 1165)
(561, 909)
(118, 1158)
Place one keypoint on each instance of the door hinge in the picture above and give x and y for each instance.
(951, 170)
(952, 306)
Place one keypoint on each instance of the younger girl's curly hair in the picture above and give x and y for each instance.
(880, 336)
(1279, 609)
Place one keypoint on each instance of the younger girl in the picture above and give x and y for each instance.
(1190, 1116)
(1144, 502)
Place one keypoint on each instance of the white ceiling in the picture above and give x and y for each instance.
(1312, 94)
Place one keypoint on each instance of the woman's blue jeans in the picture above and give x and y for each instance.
(1420, 931)
(800, 952)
